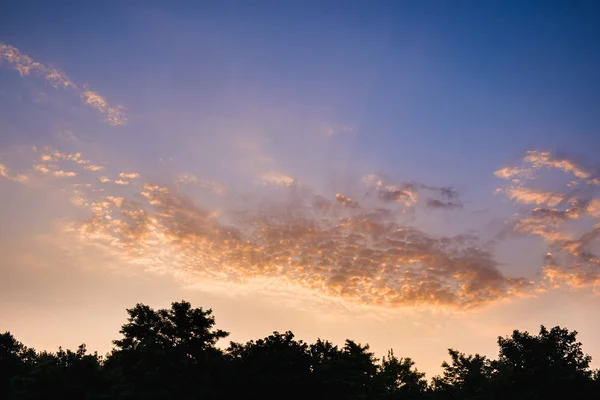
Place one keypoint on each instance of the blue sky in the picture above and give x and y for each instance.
(246, 131)
(466, 76)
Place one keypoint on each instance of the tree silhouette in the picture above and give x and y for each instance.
(271, 368)
(355, 371)
(466, 377)
(400, 380)
(15, 360)
(173, 354)
(537, 366)
(64, 374)
(166, 354)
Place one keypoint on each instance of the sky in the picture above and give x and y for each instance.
(416, 175)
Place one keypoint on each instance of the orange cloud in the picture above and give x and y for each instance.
(363, 257)
(532, 196)
(352, 246)
(130, 175)
(540, 159)
(5, 173)
(94, 168)
(43, 169)
(213, 186)
(575, 259)
(114, 115)
(329, 245)
(277, 178)
(25, 65)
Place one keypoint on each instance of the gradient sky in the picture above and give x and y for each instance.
(417, 175)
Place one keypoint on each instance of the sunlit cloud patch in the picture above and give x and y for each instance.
(356, 246)
(113, 115)
(362, 246)
(558, 201)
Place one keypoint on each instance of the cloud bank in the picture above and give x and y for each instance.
(357, 247)
(362, 246)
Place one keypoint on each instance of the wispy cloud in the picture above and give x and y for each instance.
(566, 217)
(49, 170)
(435, 203)
(535, 160)
(525, 195)
(49, 163)
(114, 115)
(277, 178)
(25, 65)
(94, 168)
(129, 175)
(411, 194)
(213, 186)
(5, 173)
(539, 159)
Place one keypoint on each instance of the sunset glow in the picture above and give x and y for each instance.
(415, 177)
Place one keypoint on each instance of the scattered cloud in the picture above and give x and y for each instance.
(25, 66)
(539, 159)
(94, 168)
(277, 178)
(129, 175)
(52, 171)
(114, 115)
(68, 174)
(345, 201)
(510, 172)
(211, 185)
(566, 217)
(535, 160)
(524, 195)
(5, 173)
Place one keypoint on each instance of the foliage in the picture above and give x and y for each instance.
(173, 354)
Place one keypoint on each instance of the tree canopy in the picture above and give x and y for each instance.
(173, 354)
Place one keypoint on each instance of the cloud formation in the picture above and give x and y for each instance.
(355, 246)
(362, 245)
(5, 173)
(114, 115)
(411, 194)
(277, 178)
(359, 255)
(211, 185)
(559, 202)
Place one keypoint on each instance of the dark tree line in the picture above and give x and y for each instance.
(172, 354)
